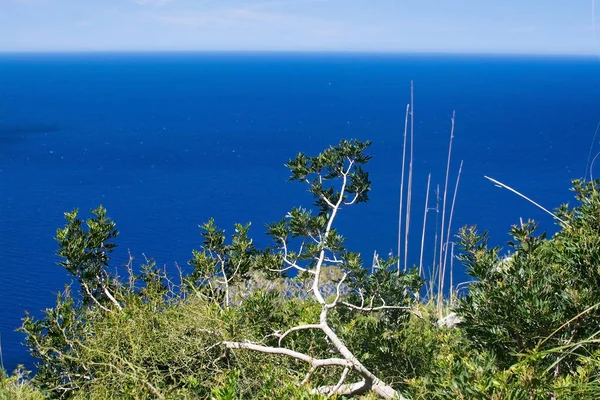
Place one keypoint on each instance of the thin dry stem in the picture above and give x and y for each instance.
(450, 226)
(451, 273)
(410, 173)
(502, 185)
(424, 226)
(587, 165)
(440, 264)
(402, 185)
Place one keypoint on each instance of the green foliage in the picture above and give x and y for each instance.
(531, 317)
(18, 386)
(529, 321)
(218, 265)
(329, 166)
(86, 252)
(543, 295)
(50, 341)
(381, 338)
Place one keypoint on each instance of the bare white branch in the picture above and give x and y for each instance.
(314, 362)
(349, 203)
(335, 209)
(87, 290)
(325, 199)
(225, 281)
(337, 291)
(374, 308)
(502, 185)
(295, 329)
(340, 382)
(111, 298)
(308, 375)
(345, 359)
(358, 388)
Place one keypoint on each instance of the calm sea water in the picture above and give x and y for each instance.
(165, 141)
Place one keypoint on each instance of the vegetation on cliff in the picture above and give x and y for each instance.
(304, 318)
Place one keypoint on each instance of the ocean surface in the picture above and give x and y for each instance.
(166, 141)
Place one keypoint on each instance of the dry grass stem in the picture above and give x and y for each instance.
(502, 185)
(402, 186)
(410, 172)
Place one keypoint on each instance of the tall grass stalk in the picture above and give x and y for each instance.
(410, 172)
(441, 242)
(452, 294)
(441, 252)
(424, 226)
(402, 186)
(433, 270)
(448, 231)
(588, 167)
(1, 357)
(502, 185)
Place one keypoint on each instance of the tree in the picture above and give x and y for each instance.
(337, 180)
(324, 290)
(86, 254)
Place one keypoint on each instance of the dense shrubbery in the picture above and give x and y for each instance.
(304, 319)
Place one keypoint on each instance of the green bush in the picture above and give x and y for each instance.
(18, 386)
(529, 325)
(544, 295)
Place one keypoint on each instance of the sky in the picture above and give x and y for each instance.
(448, 26)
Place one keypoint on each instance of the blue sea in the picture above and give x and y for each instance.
(166, 141)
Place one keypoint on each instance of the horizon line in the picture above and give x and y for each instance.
(297, 51)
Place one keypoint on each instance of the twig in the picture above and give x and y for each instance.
(89, 293)
(308, 375)
(587, 165)
(314, 362)
(502, 185)
(592, 167)
(337, 292)
(587, 310)
(340, 382)
(374, 308)
(295, 329)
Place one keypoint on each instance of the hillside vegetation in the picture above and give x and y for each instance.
(305, 319)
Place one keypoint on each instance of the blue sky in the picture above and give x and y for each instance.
(480, 26)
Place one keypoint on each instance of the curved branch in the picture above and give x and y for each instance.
(334, 211)
(349, 203)
(337, 292)
(358, 388)
(298, 328)
(87, 290)
(375, 308)
(324, 198)
(314, 362)
(111, 298)
(337, 387)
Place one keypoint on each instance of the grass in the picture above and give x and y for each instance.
(436, 278)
